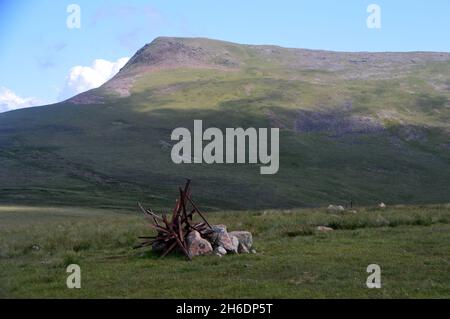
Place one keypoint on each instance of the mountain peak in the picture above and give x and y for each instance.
(166, 53)
(171, 52)
(177, 52)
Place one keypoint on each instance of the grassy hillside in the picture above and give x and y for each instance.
(293, 260)
(364, 126)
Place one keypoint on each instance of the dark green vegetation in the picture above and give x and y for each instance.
(368, 126)
(293, 260)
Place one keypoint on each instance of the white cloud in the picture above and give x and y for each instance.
(84, 78)
(11, 101)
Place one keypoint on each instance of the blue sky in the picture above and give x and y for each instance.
(38, 52)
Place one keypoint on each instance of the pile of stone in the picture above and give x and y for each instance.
(219, 241)
(181, 233)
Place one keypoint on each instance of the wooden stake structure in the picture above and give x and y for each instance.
(172, 233)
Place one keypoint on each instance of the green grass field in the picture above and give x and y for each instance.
(411, 244)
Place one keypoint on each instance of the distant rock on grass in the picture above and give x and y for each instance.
(324, 229)
(335, 209)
